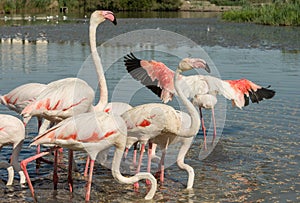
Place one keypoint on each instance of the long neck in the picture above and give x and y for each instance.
(99, 69)
(195, 119)
(140, 176)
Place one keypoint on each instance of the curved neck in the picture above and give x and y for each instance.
(195, 119)
(140, 176)
(103, 100)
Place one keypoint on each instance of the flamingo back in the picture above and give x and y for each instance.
(117, 108)
(149, 120)
(87, 128)
(62, 99)
(12, 130)
(18, 98)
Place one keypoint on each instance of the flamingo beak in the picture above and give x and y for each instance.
(207, 68)
(114, 20)
(110, 16)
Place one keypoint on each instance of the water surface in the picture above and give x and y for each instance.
(257, 157)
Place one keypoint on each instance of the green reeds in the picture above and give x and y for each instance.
(279, 13)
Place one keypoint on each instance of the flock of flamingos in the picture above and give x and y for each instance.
(77, 124)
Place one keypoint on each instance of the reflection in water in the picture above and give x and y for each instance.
(257, 159)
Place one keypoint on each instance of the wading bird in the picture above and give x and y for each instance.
(201, 89)
(12, 132)
(70, 96)
(162, 124)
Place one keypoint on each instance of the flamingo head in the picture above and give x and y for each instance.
(100, 16)
(190, 63)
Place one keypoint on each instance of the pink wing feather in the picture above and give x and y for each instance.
(18, 98)
(61, 99)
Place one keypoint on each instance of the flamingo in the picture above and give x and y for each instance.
(18, 98)
(71, 96)
(12, 131)
(104, 130)
(21, 96)
(163, 125)
(201, 89)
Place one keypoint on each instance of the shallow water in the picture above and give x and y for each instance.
(256, 158)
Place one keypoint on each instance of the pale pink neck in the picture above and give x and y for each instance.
(195, 119)
(99, 69)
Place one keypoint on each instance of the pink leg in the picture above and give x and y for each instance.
(134, 154)
(24, 168)
(149, 161)
(126, 153)
(214, 122)
(86, 166)
(203, 128)
(55, 176)
(60, 155)
(161, 167)
(136, 185)
(89, 183)
(70, 169)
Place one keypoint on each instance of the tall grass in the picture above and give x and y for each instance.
(278, 13)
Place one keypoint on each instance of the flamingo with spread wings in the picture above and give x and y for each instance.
(201, 89)
(12, 132)
(163, 125)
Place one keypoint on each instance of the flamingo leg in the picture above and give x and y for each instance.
(149, 161)
(125, 153)
(89, 183)
(134, 154)
(55, 176)
(214, 123)
(24, 167)
(161, 172)
(86, 167)
(70, 179)
(203, 128)
(60, 155)
(38, 149)
(136, 184)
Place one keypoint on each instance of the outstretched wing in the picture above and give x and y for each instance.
(156, 76)
(248, 89)
(239, 91)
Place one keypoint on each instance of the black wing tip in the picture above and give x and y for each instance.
(134, 68)
(131, 62)
(261, 94)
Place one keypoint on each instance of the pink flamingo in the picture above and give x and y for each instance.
(70, 96)
(21, 96)
(18, 98)
(12, 131)
(163, 125)
(201, 89)
(104, 130)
